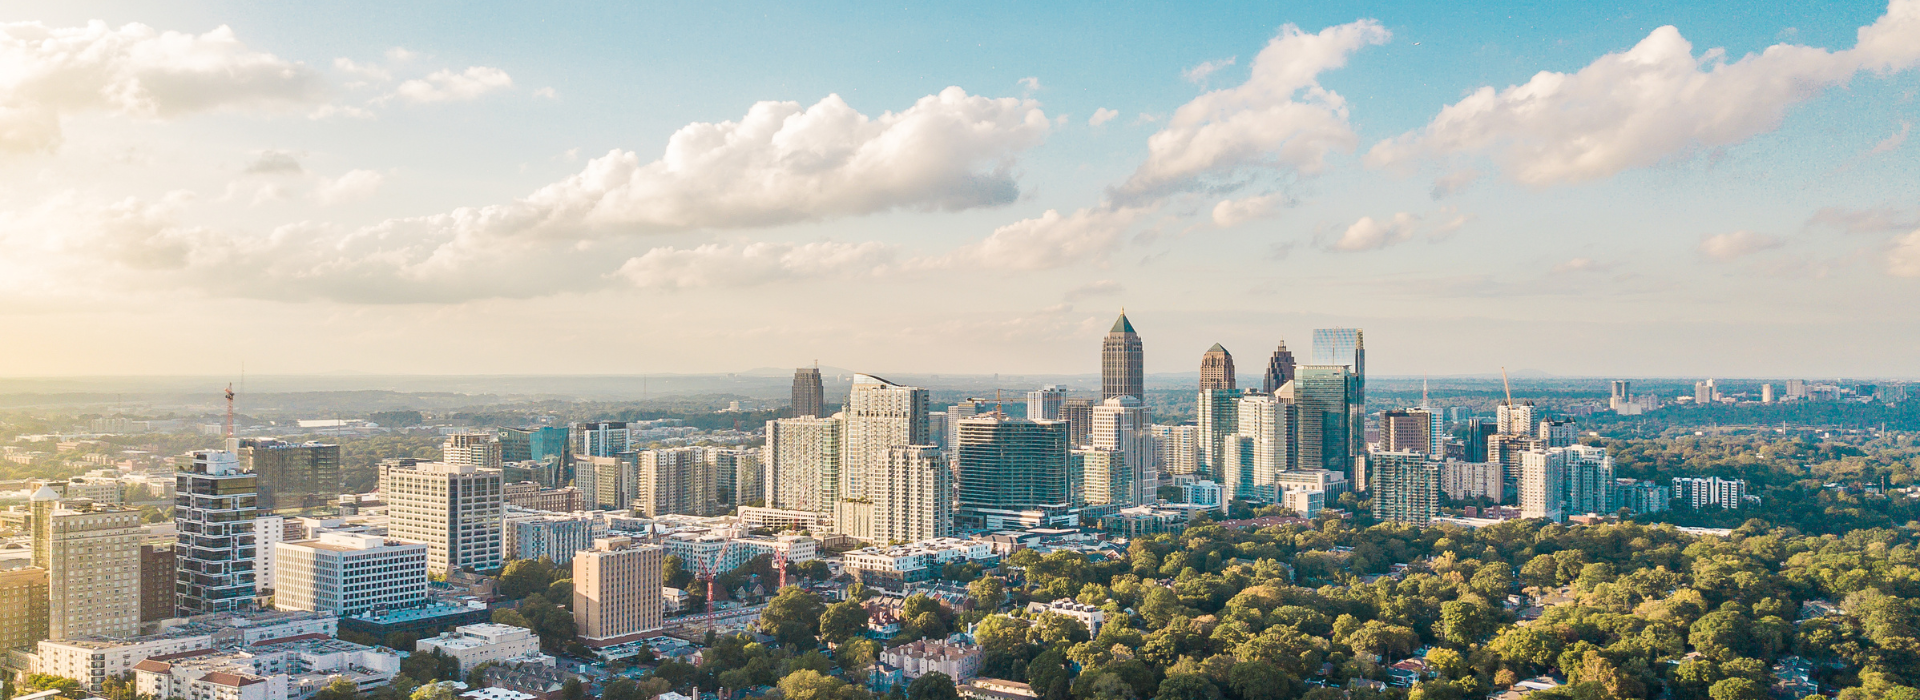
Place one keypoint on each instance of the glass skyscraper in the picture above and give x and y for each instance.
(1347, 346)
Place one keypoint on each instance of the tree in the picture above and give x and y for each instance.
(987, 593)
(573, 689)
(433, 691)
(856, 655)
(673, 572)
(1048, 675)
(1187, 686)
(1253, 680)
(677, 673)
(339, 689)
(842, 621)
(1465, 623)
(812, 685)
(1737, 689)
(524, 577)
(45, 681)
(621, 689)
(938, 686)
(793, 618)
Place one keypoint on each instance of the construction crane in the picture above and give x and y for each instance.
(1507, 384)
(229, 410)
(780, 565)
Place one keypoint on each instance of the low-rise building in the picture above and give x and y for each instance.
(1305, 503)
(347, 573)
(542, 681)
(892, 568)
(292, 669)
(530, 495)
(995, 689)
(1088, 615)
(916, 659)
(473, 645)
(416, 620)
(92, 660)
(532, 534)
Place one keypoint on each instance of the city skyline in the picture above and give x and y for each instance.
(1236, 177)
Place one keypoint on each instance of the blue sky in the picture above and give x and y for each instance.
(463, 188)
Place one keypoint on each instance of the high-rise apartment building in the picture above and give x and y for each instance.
(808, 398)
(532, 534)
(1325, 396)
(1620, 394)
(959, 411)
(479, 450)
(1216, 369)
(1702, 491)
(1279, 370)
(1515, 419)
(1705, 393)
(1176, 449)
(452, 509)
(1405, 487)
(1120, 424)
(534, 445)
(605, 439)
(23, 607)
(268, 530)
(1265, 442)
(1411, 430)
(1507, 451)
(1012, 464)
(214, 508)
(609, 482)
(803, 463)
(1766, 393)
(157, 573)
(290, 476)
(680, 480)
(1347, 346)
(912, 496)
(92, 559)
(1122, 371)
(346, 573)
(1078, 413)
(1099, 476)
(1464, 481)
(880, 415)
(1589, 479)
(1558, 432)
(1543, 475)
(1044, 403)
(616, 590)
(1218, 413)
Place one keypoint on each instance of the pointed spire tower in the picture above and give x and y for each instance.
(1216, 369)
(1279, 370)
(1121, 372)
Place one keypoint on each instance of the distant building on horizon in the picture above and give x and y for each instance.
(808, 397)
(1216, 369)
(1279, 370)
(1044, 403)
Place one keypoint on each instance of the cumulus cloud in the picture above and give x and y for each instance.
(448, 86)
(744, 265)
(136, 71)
(1230, 212)
(1642, 106)
(1050, 240)
(355, 185)
(1738, 244)
(1369, 233)
(1280, 119)
(1096, 288)
(1904, 259)
(1582, 265)
(1030, 83)
(1199, 74)
(274, 163)
(1454, 182)
(1102, 116)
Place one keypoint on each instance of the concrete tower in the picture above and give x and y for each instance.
(1216, 369)
(1121, 372)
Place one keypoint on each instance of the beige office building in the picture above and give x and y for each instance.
(453, 509)
(92, 559)
(616, 589)
(23, 607)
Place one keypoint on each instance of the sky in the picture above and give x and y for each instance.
(1590, 189)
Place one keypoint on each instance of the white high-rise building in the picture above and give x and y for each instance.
(268, 530)
(1766, 393)
(912, 496)
(880, 415)
(678, 480)
(345, 574)
(1463, 481)
(1100, 476)
(1515, 419)
(1044, 403)
(1120, 424)
(1589, 481)
(480, 450)
(1176, 449)
(803, 458)
(453, 509)
(1543, 475)
(1265, 443)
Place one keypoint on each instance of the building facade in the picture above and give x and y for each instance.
(803, 457)
(291, 477)
(1122, 371)
(809, 400)
(345, 574)
(215, 503)
(455, 510)
(1012, 464)
(616, 590)
(1405, 487)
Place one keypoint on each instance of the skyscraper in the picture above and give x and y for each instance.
(807, 397)
(616, 589)
(1216, 369)
(290, 476)
(1120, 424)
(674, 481)
(215, 505)
(1279, 370)
(1006, 465)
(92, 561)
(1514, 419)
(1347, 346)
(1620, 395)
(1589, 479)
(1411, 430)
(1176, 449)
(454, 510)
(472, 449)
(1078, 413)
(1121, 371)
(533, 444)
(1543, 474)
(880, 415)
(912, 496)
(1217, 410)
(803, 463)
(959, 411)
(1264, 444)
(1405, 487)
(1044, 403)
(1324, 393)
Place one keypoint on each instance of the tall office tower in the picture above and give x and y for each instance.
(533, 445)
(808, 400)
(1620, 395)
(23, 606)
(1411, 430)
(1589, 479)
(157, 568)
(347, 573)
(1347, 346)
(880, 415)
(599, 439)
(1216, 369)
(1279, 370)
(1796, 389)
(1475, 433)
(1515, 419)
(1176, 449)
(1120, 424)
(1012, 464)
(1264, 444)
(616, 590)
(1543, 475)
(92, 559)
(291, 476)
(1405, 487)
(912, 496)
(607, 483)
(676, 481)
(1705, 393)
(803, 463)
(452, 509)
(214, 507)
(1766, 393)
(1558, 432)
(1044, 403)
(959, 411)
(1078, 413)
(1217, 410)
(1121, 369)
(1325, 398)
(268, 530)
(1507, 451)
(480, 450)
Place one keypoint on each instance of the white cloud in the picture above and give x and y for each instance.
(1904, 259)
(546, 92)
(1369, 233)
(1050, 240)
(1097, 288)
(54, 72)
(1198, 74)
(1230, 211)
(367, 71)
(1582, 265)
(744, 265)
(400, 54)
(1030, 83)
(270, 162)
(448, 86)
(1454, 182)
(1894, 141)
(1102, 116)
(1872, 220)
(1645, 105)
(1279, 119)
(1738, 244)
(355, 185)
